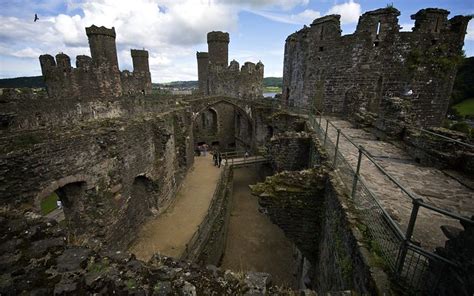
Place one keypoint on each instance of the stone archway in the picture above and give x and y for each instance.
(352, 101)
(233, 129)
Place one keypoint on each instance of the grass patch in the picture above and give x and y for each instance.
(275, 89)
(49, 203)
(466, 107)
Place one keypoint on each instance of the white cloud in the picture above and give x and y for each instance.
(284, 4)
(407, 27)
(349, 11)
(470, 31)
(304, 17)
(167, 28)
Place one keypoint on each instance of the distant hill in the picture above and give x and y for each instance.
(177, 84)
(19, 82)
(273, 81)
(267, 81)
(37, 81)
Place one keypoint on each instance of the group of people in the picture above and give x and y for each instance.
(217, 158)
(202, 150)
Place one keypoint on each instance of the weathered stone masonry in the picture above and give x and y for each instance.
(98, 75)
(216, 77)
(111, 173)
(352, 73)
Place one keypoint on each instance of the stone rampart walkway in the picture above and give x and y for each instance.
(431, 184)
(169, 232)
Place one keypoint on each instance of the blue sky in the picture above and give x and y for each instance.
(173, 30)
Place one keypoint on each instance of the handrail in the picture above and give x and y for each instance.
(446, 138)
(446, 212)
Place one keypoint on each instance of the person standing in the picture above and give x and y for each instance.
(219, 159)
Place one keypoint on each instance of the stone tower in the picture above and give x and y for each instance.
(203, 66)
(102, 45)
(140, 60)
(218, 48)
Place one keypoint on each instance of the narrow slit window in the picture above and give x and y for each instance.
(437, 25)
(322, 32)
(378, 28)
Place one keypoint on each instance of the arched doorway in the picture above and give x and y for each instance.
(225, 124)
(66, 203)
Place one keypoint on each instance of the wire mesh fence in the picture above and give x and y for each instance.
(390, 240)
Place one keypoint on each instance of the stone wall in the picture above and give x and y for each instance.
(438, 152)
(313, 212)
(352, 73)
(110, 173)
(208, 244)
(27, 111)
(290, 151)
(96, 76)
(459, 248)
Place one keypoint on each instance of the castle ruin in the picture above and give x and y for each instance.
(98, 75)
(358, 73)
(355, 214)
(217, 77)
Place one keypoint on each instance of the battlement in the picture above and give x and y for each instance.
(83, 61)
(202, 55)
(332, 18)
(94, 30)
(218, 36)
(98, 75)
(346, 74)
(139, 53)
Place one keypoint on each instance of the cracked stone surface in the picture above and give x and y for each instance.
(432, 185)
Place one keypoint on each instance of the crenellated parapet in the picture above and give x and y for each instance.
(98, 75)
(218, 77)
(351, 74)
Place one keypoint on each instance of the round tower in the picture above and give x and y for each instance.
(102, 45)
(218, 47)
(140, 60)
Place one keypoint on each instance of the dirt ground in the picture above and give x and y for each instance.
(254, 243)
(168, 233)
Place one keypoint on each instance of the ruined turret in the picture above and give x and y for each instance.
(218, 48)
(102, 45)
(203, 64)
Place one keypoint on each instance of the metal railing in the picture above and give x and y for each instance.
(445, 138)
(239, 158)
(391, 241)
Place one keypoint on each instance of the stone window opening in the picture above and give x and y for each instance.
(321, 48)
(322, 33)
(378, 30)
(437, 25)
(65, 203)
(376, 43)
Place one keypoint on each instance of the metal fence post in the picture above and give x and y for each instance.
(356, 175)
(337, 147)
(411, 226)
(326, 133)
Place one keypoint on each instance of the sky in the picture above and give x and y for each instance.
(173, 30)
